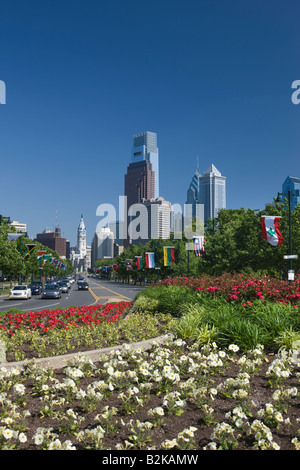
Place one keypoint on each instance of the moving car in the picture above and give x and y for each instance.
(63, 287)
(36, 287)
(51, 291)
(20, 292)
(83, 286)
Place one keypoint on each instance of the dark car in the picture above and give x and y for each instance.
(83, 286)
(36, 287)
(51, 291)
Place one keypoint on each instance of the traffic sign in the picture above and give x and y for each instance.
(290, 256)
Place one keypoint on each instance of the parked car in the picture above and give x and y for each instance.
(51, 291)
(63, 286)
(20, 292)
(83, 286)
(36, 287)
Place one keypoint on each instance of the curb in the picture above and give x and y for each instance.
(59, 362)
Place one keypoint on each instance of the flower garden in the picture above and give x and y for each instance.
(225, 378)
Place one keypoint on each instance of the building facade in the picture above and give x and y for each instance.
(53, 240)
(208, 190)
(145, 148)
(80, 254)
(293, 184)
(102, 245)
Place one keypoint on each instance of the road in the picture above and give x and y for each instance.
(100, 291)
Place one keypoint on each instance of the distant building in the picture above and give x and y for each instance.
(293, 184)
(145, 149)
(102, 245)
(139, 185)
(79, 255)
(19, 226)
(209, 190)
(53, 240)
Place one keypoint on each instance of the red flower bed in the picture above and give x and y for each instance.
(242, 288)
(63, 318)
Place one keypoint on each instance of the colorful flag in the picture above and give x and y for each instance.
(115, 267)
(198, 245)
(139, 262)
(169, 255)
(128, 265)
(40, 254)
(28, 251)
(46, 258)
(149, 260)
(270, 230)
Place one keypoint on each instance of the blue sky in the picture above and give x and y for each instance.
(212, 78)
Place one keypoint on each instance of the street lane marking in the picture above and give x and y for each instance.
(116, 293)
(4, 306)
(39, 308)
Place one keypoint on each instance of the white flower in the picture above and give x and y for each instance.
(7, 433)
(38, 439)
(22, 437)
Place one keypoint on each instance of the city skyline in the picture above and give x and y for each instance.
(214, 81)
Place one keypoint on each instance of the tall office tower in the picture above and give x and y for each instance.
(193, 192)
(102, 245)
(145, 148)
(139, 182)
(293, 184)
(139, 185)
(212, 192)
(208, 190)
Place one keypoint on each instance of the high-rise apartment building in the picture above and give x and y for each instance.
(209, 190)
(145, 148)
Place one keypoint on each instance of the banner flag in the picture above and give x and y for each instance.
(40, 254)
(139, 262)
(150, 260)
(28, 251)
(270, 230)
(169, 255)
(198, 245)
(128, 265)
(46, 258)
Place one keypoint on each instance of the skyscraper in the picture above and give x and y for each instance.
(212, 192)
(293, 184)
(193, 192)
(209, 190)
(139, 182)
(145, 148)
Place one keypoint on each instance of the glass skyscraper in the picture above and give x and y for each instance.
(209, 190)
(293, 184)
(145, 148)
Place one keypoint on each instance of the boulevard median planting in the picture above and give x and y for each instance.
(197, 390)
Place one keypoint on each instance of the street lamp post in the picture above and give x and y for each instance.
(289, 195)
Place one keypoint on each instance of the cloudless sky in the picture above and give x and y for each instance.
(212, 78)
